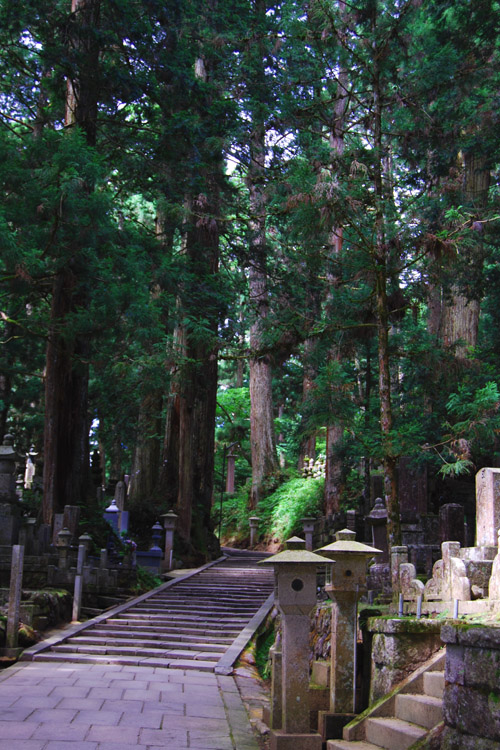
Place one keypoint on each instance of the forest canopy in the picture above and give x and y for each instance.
(267, 230)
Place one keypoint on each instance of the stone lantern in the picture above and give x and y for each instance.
(9, 507)
(64, 538)
(345, 581)
(254, 527)
(295, 589)
(111, 514)
(308, 525)
(169, 523)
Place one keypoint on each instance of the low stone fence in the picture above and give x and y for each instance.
(471, 701)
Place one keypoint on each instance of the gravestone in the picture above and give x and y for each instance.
(487, 507)
(120, 494)
(452, 523)
(71, 519)
(412, 491)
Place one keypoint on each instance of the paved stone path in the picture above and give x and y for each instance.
(137, 683)
(69, 706)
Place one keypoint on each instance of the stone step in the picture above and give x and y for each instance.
(145, 644)
(206, 632)
(200, 665)
(434, 684)
(346, 745)
(424, 710)
(128, 618)
(154, 635)
(174, 606)
(164, 653)
(392, 733)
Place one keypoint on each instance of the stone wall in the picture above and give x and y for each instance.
(398, 648)
(471, 703)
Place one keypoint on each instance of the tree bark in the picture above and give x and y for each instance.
(262, 435)
(334, 469)
(147, 449)
(66, 450)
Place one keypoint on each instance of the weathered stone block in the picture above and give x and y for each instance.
(472, 711)
(452, 739)
(482, 668)
(454, 671)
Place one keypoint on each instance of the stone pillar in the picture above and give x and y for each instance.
(9, 504)
(487, 507)
(16, 583)
(86, 540)
(169, 523)
(308, 525)
(254, 530)
(452, 524)
(77, 595)
(103, 559)
(276, 718)
(346, 582)
(231, 460)
(120, 494)
(295, 585)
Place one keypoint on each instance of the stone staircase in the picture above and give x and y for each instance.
(404, 717)
(188, 623)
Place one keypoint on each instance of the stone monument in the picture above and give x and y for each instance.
(344, 583)
(295, 573)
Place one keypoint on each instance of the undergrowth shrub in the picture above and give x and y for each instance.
(280, 512)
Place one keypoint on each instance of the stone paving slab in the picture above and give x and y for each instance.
(74, 706)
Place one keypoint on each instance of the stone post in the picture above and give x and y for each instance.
(347, 580)
(103, 559)
(77, 596)
(487, 507)
(295, 585)
(276, 718)
(231, 460)
(86, 540)
(169, 523)
(308, 525)
(120, 493)
(254, 530)
(9, 504)
(16, 583)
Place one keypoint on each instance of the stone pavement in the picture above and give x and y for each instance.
(72, 706)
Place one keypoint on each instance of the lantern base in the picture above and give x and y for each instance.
(282, 741)
(330, 725)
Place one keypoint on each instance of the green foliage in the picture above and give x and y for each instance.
(145, 581)
(474, 428)
(281, 511)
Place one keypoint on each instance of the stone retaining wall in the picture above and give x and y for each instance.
(471, 702)
(399, 646)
